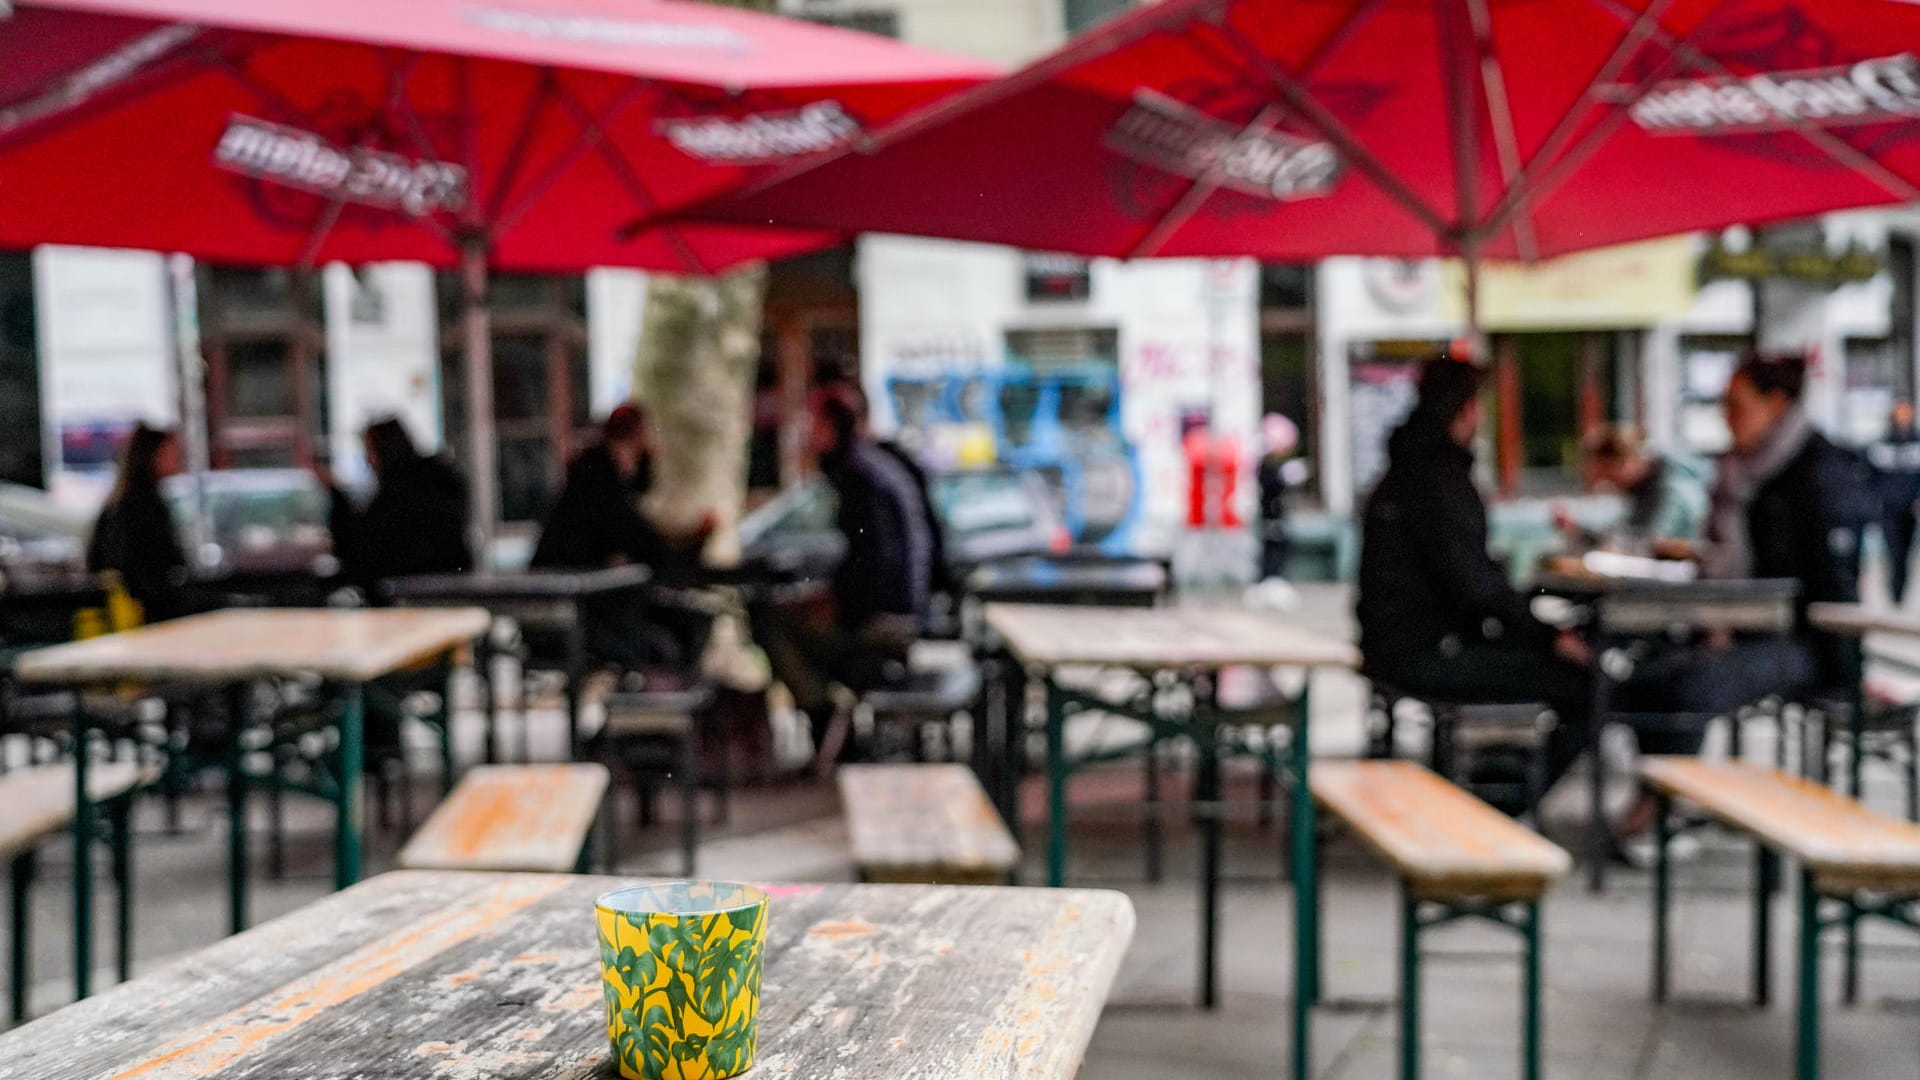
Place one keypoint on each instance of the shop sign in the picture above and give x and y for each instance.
(1815, 266)
(1058, 277)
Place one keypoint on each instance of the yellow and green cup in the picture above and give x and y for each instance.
(680, 963)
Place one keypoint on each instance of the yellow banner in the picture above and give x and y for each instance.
(1626, 286)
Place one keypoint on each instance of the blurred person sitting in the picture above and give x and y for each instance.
(1666, 494)
(858, 633)
(135, 535)
(416, 521)
(596, 523)
(1438, 618)
(1787, 503)
(1896, 461)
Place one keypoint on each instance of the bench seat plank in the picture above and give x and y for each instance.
(36, 803)
(925, 823)
(1847, 846)
(1445, 843)
(511, 817)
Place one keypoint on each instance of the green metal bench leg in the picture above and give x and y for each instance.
(1850, 973)
(1662, 894)
(1056, 785)
(1530, 960)
(346, 854)
(1409, 987)
(1156, 840)
(238, 716)
(21, 877)
(122, 853)
(1306, 897)
(1207, 791)
(1766, 874)
(443, 720)
(1808, 1045)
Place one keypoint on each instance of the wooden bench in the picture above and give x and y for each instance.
(534, 818)
(1867, 861)
(925, 823)
(38, 804)
(1456, 857)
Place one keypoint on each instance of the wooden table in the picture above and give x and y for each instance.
(1195, 644)
(550, 599)
(433, 976)
(231, 650)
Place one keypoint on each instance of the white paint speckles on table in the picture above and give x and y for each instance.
(427, 976)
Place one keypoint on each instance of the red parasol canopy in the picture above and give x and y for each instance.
(1299, 129)
(510, 134)
(302, 131)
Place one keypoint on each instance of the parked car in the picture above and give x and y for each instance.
(262, 523)
(41, 541)
(986, 513)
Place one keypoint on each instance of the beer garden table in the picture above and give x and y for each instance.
(231, 650)
(1195, 644)
(546, 599)
(425, 975)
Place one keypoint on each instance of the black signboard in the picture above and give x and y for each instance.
(1058, 277)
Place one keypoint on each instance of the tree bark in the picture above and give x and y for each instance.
(699, 352)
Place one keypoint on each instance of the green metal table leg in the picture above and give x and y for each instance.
(1306, 896)
(20, 877)
(123, 885)
(82, 858)
(1808, 1055)
(346, 850)
(1766, 868)
(1409, 986)
(1056, 785)
(1530, 1045)
(1850, 972)
(443, 719)
(1207, 790)
(1662, 894)
(238, 716)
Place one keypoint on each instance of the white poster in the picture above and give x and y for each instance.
(106, 359)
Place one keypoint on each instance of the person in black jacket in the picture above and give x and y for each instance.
(596, 523)
(1896, 461)
(1787, 503)
(1437, 615)
(135, 535)
(416, 522)
(857, 634)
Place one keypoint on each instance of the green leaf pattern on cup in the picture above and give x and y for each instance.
(682, 992)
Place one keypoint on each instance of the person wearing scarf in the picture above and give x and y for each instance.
(1787, 503)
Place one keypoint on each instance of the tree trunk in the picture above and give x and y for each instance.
(699, 351)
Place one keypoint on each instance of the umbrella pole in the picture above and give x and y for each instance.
(483, 476)
(1476, 337)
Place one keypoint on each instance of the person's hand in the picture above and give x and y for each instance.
(1675, 550)
(323, 472)
(1573, 648)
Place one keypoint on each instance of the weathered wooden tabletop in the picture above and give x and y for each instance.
(1859, 620)
(482, 588)
(248, 643)
(450, 976)
(1161, 638)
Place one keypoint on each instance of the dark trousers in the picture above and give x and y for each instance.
(1897, 528)
(1485, 673)
(809, 651)
(1672, 697)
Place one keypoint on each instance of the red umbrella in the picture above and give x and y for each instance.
(517, 134)
(1292, 130)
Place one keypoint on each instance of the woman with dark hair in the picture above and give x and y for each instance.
(416, 522)
(135, 535)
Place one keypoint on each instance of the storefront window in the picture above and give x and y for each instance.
(1872, 386)
(1706, 366)
(263, 335)
(1287, 387)
(1551, 389)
